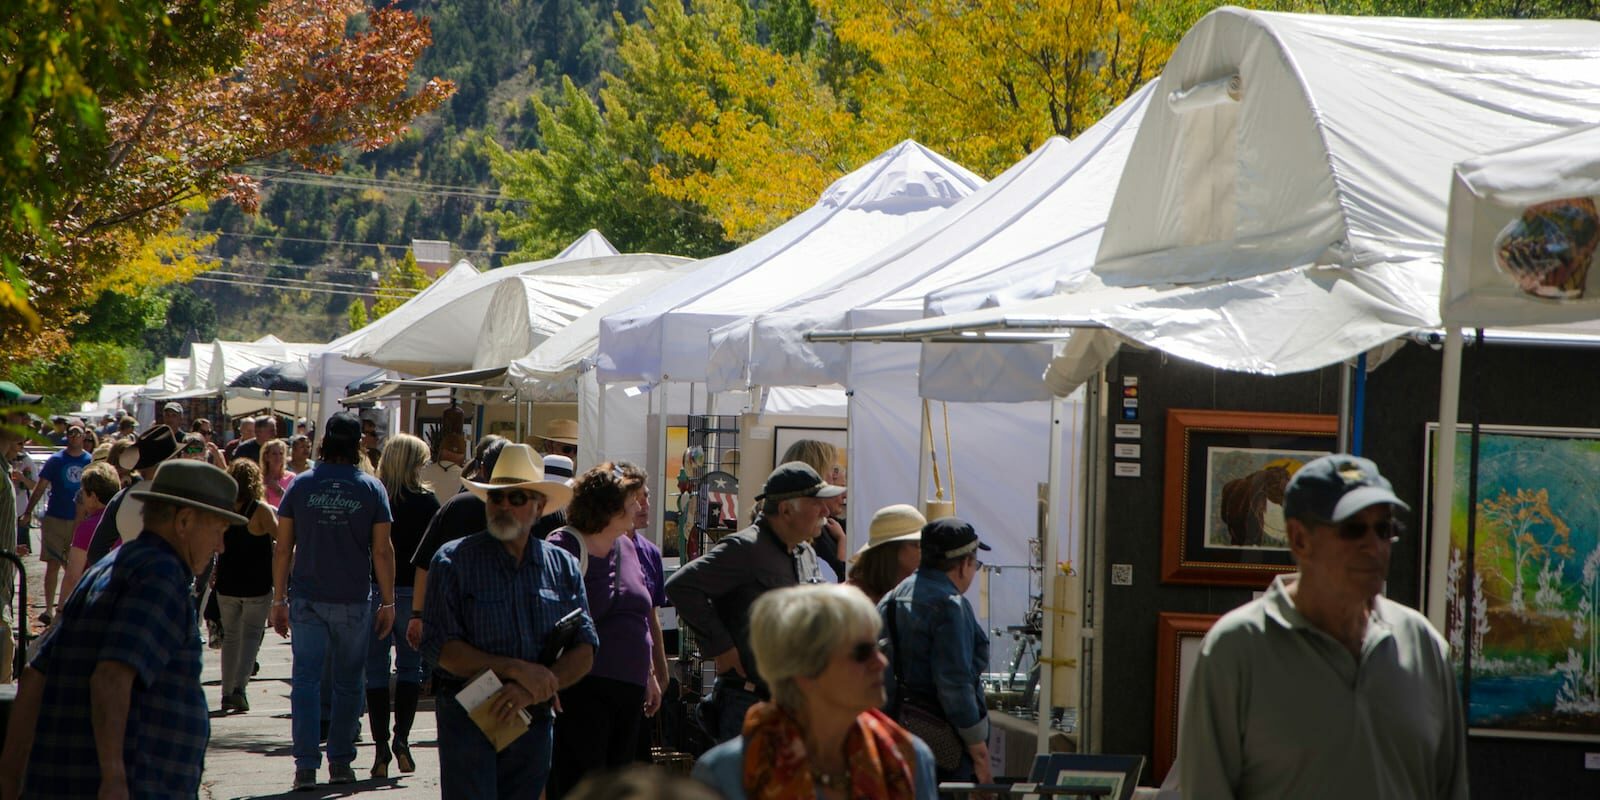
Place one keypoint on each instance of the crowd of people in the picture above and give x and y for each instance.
(423, 567)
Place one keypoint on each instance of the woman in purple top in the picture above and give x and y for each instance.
(656, 577)
(600, 714)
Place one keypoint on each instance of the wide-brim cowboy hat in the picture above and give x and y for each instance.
(151, 448)
(896, 523)
(564, 431)
(518, 468)
(195, 484)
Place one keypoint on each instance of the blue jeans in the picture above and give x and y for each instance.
(335, 634)
(733, 700)
(407, 662)
(470, 769)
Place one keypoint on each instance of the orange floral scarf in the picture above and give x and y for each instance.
(878, 752)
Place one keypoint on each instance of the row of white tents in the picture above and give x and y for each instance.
(1277, 201)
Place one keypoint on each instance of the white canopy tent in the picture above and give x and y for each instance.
(329, 372)
(228, 359)
(592, 243)
(1522, 239)
(529, 309)
(665, 337)
(429, 337)
(549, 372)
(1284, 208)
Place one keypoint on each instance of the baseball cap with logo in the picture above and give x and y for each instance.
(1333, 488)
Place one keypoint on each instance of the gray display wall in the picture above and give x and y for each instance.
(1520, 386)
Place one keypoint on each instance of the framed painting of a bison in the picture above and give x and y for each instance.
(1222, 513)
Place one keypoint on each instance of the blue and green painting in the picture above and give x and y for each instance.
(1535, 592)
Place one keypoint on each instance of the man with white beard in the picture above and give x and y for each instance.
(493, 598)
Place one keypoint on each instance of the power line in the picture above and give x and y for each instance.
(381, 291)
(345, 176)
(341, 242)
(204, 279)
(332, 182)
(286, 265)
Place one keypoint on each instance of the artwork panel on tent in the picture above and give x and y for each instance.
(1532, 622)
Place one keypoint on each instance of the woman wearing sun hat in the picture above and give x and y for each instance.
(892, 552)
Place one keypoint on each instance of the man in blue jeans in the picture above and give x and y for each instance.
(333, 531)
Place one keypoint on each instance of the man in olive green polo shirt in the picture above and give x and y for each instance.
(1323, 687)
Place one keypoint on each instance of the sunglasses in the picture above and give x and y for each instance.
(568, 450)
(515, 497)
(863, 652)
(1353, 530)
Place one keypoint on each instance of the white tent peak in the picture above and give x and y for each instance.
(906, 177)
(592, 243)
(1339, 147)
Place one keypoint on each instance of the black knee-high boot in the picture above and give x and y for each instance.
(378, 719)
(405, 711)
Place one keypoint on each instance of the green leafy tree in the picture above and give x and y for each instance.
(594, 173)
(356, 315)
(402, 279)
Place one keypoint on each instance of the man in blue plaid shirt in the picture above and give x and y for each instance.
(493, 598)
(111, 705)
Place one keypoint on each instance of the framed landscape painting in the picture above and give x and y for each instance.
(1529, 608)
(1222, 512)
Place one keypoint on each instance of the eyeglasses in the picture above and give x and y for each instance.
(1354, 529)
(863, 652)
(516, 497)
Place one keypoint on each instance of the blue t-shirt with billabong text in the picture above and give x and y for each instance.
(65, 474)
(334, 507)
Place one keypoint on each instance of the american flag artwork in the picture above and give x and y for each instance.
(723, 489)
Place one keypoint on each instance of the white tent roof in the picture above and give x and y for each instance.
(113, 395)
(549, 373)
(199, 365)
(455, 276)
(440, 334)
(228, 359)
(174, 374)
(666, 336)
(1308, 216)
(1048, 208)
(589, 245)
(1488, 200)
(528, 309)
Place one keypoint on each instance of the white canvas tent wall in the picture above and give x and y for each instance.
(228, 359)
(1303, 223)
(200, 354)
(430, 338)
(528, 309)
(665, 337)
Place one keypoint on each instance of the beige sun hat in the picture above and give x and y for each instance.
(517, 468)
(564, 431)
(896, 523)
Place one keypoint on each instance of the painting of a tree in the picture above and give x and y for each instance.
(1518, 529)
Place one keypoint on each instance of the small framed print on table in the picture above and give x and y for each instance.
(1178, 639)
(1222, 509)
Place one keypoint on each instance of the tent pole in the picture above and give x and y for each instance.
(1094, 531)
(1047, 584)
(1443, 477)
(1344, 407)
(1358, 416)
(659, 399)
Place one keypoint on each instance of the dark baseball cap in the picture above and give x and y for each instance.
(343, 426)
(949, 537)
(796, 479)
(1335, 487)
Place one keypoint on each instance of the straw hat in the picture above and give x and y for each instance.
(896, 523)
(519, 468)
(564, 431)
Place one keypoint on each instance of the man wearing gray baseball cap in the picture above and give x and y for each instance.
(120, 670)
(1323, 687)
